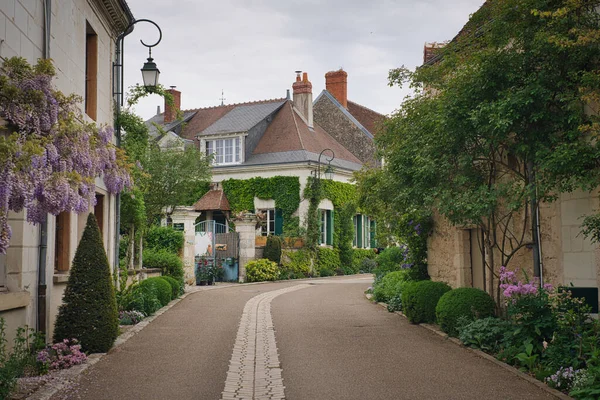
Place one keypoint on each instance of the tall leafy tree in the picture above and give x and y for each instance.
(499, 121)
(177, 177)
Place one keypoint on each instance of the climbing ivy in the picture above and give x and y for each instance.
(285, 190)
(343, 197)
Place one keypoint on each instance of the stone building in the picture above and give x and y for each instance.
(79, 36)
(280, 137)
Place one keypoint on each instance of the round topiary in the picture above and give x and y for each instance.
(463, 302)
(161, 288)
(175, 286)
(89, 310)
(419, 300)
(261, 270)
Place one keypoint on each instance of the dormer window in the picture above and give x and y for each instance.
(224, 151)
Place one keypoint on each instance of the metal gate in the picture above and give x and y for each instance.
(216, 251)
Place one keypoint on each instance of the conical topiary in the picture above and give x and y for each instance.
(89, 309)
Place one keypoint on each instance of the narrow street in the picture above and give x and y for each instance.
(329, 343)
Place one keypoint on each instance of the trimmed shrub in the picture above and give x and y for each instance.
(165, 238)
(175, 286)
(419, 300)
(89, 309)
(385, 289)
(141, 298)
(296, 264)
(169, 263)
(328, 261)
(359, 256)
(391, 259)
(161, 288)
(465, 302)
(261, 270)
(273, 249)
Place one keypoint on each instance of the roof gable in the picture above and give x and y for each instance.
(289, 132)
(326, 95)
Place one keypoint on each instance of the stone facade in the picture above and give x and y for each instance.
(22, 26)
(339, 125)
(567, 256)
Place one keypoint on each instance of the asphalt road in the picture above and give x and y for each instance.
(332, 344)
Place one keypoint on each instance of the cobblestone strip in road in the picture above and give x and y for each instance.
(254, 369)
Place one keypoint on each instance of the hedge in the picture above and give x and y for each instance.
(161, 288)
(261, 270)
(419, 300)
(385, 289)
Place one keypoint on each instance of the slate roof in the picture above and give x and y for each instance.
(241, 118)
(159, 119)
(213, 200)
(205, 117)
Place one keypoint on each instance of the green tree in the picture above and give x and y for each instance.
(176, 176)
(498, 122)
(89, 309)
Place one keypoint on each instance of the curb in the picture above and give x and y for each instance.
(479, 353)
(64, 378)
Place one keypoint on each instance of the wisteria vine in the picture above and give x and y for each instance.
(49, 156)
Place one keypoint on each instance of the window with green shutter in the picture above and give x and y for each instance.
(359, 231)
(278, 221)
(330, 227)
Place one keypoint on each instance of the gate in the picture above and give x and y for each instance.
(216, 252)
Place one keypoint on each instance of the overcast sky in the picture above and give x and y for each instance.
(251, 48)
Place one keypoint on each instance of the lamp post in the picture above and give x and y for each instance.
(329, 168)
(150, 74)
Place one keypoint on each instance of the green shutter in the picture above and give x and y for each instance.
(330, 227)
(319, 211)
(373, 232)
(278, 221)
(359, 234)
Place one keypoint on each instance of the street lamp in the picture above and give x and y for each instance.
(150, 75)
(329, 168)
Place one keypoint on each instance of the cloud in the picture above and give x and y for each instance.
(251, 49)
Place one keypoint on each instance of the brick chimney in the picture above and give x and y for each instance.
(303, 97)
(336, 83)
(171, 111)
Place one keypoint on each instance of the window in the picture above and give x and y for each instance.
(268, 228)
(61, 241)
(326, 226)
(2, 272)
(99, 213)
(355, 222)
(224, 151)
(91, 72)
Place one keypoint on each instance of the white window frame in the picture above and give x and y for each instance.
(225, 151)
(323, 227)
(269, 227)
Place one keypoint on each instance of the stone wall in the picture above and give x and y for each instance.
(567, 257)
(337, 124)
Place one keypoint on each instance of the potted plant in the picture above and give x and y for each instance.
(203, 272)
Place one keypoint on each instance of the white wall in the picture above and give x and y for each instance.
(21, 34)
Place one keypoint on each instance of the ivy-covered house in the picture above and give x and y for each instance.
(266, 152)
(79, 36)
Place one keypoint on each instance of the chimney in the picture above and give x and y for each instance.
(303, 97)
(336, 83)
(171, 111)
